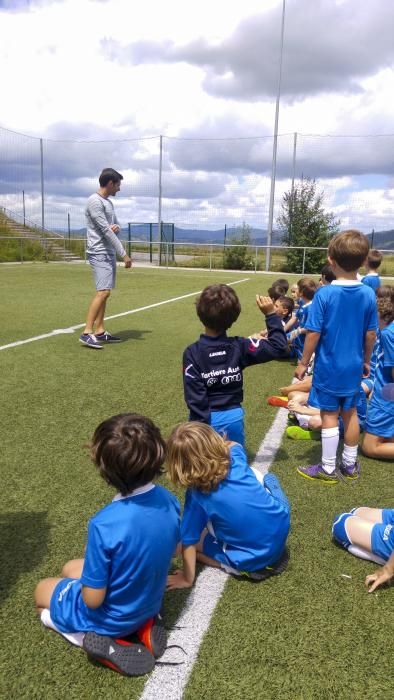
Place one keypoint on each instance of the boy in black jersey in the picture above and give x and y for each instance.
(213, 365)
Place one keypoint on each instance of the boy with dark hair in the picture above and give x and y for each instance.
(284, 307)
(213, 365)
(102, 227)
(282, 282)
(326, 275)
(341, 331)
(276, 291)
(374, 261)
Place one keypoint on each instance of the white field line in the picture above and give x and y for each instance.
(169, 682)
(71, 329)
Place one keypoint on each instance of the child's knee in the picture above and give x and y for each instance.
(339, 532)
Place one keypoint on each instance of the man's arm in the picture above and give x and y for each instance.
(95, 212)
(311, 341)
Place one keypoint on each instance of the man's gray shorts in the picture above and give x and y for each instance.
(104, 270)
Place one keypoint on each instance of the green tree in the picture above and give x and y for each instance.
(239, 258)
(303, 222)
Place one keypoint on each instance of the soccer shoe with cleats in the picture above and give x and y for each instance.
(280, 401)
(295, 432)
(352, 473)
(153, 635)
(273, 570)
(122, 656)
(90, 340)
(317, 473)
(106, 337)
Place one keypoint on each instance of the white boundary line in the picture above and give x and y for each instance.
(169, 682)
(71, 329)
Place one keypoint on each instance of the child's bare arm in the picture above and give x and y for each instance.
(93, 597)
(289, 325)
(184, 578)
(369, 342)
(381, 575)
(311, 341)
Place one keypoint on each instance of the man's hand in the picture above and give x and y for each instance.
(366, 370)
(177, 580)
(115, 228)
(265, 304)
(378, 578)
(127, 261)
(300, 371)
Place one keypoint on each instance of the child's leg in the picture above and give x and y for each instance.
(203, 558)
(43, 593)
(329, 439)
(351, 435)
(73, 568)
(378, 447)
(354, 533)
(372, 515)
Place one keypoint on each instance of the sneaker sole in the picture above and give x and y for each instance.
(158, 640)
(88, 345)
(274, 570)
(304, 435)
(128, 659)
(317, 478)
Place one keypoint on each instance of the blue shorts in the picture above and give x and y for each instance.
(382, 536)
(213, 549)
(104, 270)
(379, 422)
(329, 402)
(230, 424)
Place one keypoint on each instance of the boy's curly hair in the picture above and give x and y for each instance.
(128, 450)
(197, 457)
(386, 309)
(218, 307)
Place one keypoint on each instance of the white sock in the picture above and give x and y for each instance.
(303, 420)
(329, 440)
(365, 554)
(349, 455)
(75, 638)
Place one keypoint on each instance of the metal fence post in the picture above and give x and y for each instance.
(303, 261)
(42, 184)
(68, 226)
(210, 258)
(167, 254)
(129, 239)
(150, 242)
(255, 260)
(160, 190)
(21, 242)
(24, 208)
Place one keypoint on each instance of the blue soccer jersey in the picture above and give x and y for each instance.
(299, 341)
(249, 523)
(129, 549)
(372, 280)
(342, 313)
(380, 416)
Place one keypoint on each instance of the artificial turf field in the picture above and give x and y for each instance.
(310, 633)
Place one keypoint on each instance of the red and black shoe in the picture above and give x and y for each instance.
(122, 656)
(153, 635)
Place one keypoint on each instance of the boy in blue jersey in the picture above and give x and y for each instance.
(307, 290)
(341, 327)
(374, 260)
(213, 365)
(234, 518)
(117, 589)
(378, 440)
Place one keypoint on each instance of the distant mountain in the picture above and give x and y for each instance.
(383, 240)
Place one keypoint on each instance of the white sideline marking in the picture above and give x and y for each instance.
(71, 329)
(169, 682)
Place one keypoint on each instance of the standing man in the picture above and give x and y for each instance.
(103, 244)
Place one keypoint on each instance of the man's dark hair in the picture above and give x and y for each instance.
(287, 303)
(218, 307)
(327, 273)
(108, 175)
(282, 282)
(276, 291)
(128, 450)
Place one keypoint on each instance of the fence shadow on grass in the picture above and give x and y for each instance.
(24, 539)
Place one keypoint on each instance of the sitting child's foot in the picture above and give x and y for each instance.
(281, 401)
(317, 473)
(352, 473)
(295, 432)
(122, 656)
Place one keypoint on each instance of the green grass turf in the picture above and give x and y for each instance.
(308, 634)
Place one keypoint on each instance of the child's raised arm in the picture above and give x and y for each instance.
(184, 578)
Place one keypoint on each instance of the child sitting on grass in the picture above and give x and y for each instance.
(234, 518)
(213, 365)
(117, 589)
(368, 533)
